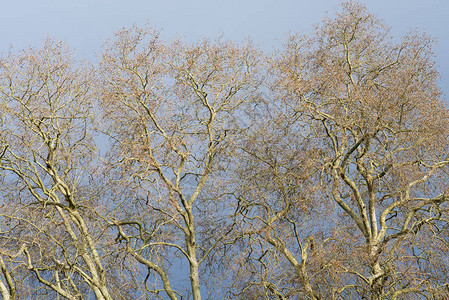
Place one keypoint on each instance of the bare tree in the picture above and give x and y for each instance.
(373, 106)
(277, 199)
(47, 161)
(171, 111)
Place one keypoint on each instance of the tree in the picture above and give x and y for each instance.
(170, 112)
(48, 161)
(372, 106)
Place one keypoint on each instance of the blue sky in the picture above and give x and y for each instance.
(85, 24)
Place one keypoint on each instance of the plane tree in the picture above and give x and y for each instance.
(170, 111)
(50, 239)
(372, 105)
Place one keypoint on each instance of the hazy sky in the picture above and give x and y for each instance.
(85, 25)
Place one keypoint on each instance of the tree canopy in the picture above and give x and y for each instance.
(212, 170)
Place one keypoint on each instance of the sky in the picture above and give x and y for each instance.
(86, 24)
